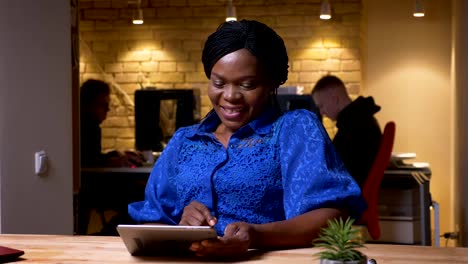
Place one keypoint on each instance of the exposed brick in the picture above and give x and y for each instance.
(174, 12)
(144, 44)
(178, 2)
(169, 77)
(114, 121)
(335, 53)
(151, 66)
(351, 65)
(310, 65)
(185, 67)
(195, 77)
(108, 143)
(127, 77)
(104, 14)
(93, 68)
(293, 77)
(295, 66)
(350, 54)
(309, 76)
(135, 56)
(353, 42)
(331, 42)
(173, 44)
(119, 4)
(100, 46)
(160, 55)
(100, 36)
(345, 8)
(354, 76)
(165, 66)
(82, 67)
(103, 4)
(87, 25)
(131, 67)
(312, 42)
(87, 76)
(113, 67)
(103, 25)
(124, 143)
(330, 65)
(136, 35)
(129, 88)
(309, 54)
(192, 45)
(290, 20)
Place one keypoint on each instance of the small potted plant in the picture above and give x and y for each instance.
(340, 242)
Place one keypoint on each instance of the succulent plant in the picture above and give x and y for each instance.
(340, 241)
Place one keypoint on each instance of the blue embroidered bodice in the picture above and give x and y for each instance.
(276, 167)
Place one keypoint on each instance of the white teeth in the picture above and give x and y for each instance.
(230, 111)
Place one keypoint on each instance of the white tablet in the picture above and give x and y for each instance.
(157, 239)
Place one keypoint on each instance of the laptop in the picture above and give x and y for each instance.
(162, 239)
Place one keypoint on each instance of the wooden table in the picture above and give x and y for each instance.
(92, 249)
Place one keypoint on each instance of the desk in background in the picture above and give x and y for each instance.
(104, 189)
(91, 249)
(404, 206)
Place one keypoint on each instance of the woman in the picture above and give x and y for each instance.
(262, 178)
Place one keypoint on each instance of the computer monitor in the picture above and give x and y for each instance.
(289, 102)
(159, 112)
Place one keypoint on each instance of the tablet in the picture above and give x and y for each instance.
(162, 239)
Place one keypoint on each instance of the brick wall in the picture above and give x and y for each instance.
(165, 51)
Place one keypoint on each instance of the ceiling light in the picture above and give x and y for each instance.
(137, 16)
(418, 8)
(325, 10)
(231, 12)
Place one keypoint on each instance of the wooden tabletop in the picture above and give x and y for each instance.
(92, 249)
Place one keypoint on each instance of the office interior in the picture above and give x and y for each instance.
(413, 67)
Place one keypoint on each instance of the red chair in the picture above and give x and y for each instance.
(370, 190)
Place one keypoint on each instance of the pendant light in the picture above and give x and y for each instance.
(325, 10)
(137, 17)
(418, 8)
(231, 12)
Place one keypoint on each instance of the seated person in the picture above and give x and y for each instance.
(358, 138)
(262, 178)
(94, 105)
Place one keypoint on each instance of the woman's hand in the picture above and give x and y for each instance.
(197, 214)
(236, 241)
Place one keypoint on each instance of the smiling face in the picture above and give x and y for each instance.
(238, 89)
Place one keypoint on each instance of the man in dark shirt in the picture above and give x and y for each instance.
(94, 105)
(358, 138)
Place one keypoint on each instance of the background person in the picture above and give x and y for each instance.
(358, 138)
(94, 105)
(262, 178)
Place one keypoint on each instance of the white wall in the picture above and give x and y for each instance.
(35, 114)
(408, 71)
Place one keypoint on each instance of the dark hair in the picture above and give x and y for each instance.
(91, 89)
(259, 39)
(327, 81)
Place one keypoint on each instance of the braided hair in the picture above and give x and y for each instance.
(259, 39)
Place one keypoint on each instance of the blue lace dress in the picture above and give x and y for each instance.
(276, 167)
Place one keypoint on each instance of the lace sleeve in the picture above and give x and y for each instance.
(313, 174)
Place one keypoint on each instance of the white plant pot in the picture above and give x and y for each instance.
(328, 261)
